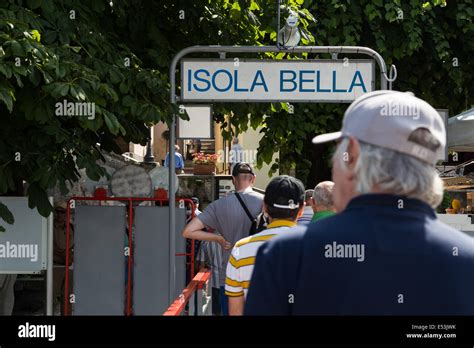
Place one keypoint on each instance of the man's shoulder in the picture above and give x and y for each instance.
(226, 200)
(432, 233)
(443, 236)
(289, 243)
(223, 201)
(258, 237)
(250, 194)
(242, 241)
(225, 204)
(332, 224)
(253, 194)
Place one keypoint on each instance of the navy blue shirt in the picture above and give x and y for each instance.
(411, 264)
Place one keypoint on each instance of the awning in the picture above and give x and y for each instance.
(461, 132)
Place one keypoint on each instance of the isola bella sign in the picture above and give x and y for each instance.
(275, 80)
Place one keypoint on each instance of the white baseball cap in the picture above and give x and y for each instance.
(394, 120)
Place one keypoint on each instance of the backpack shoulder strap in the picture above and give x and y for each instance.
(242, 203)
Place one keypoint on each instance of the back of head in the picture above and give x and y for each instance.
(243, 175)
(390, 142)
(308, 195)
(393, 172)
(284, 197)
(322, 195)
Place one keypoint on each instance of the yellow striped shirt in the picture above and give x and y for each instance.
(242, 259)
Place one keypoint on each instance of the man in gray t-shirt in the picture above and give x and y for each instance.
(227, 216)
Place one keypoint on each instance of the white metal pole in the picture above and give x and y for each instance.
(239, 49)
(172, 207)
(49, 267)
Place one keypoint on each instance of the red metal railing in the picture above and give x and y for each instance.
(100, 198)
(198, 283)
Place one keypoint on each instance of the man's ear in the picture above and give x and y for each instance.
(313, 204)
(352, 153)
(300, 212)
(265, 209)
(253, 179)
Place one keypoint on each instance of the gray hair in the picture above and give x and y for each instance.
(393, 172)
(322, 194)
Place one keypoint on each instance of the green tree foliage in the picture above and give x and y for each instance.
(117, 55)
(54, 51)
(431, 43)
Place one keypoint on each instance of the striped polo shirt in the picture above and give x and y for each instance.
(242, 259)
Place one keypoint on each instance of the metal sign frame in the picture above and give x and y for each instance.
(47, 236)
(243, 49)
(22, 212)
(319, 61)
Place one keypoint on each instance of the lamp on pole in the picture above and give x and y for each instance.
(149, 158)
(289, 35)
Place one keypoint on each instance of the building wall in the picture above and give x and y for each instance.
(249, 141)
(160, 145)
(138, 150)
(219, 143)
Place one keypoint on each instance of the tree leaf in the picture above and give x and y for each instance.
(111, 121)
(34, 4)
(64, 89)
(7, 96)
(6, 214)
(38, 198)
(17, 50)
(6, 70)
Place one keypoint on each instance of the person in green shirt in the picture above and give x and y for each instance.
(322, 201)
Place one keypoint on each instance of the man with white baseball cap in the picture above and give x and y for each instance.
(385, 253)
